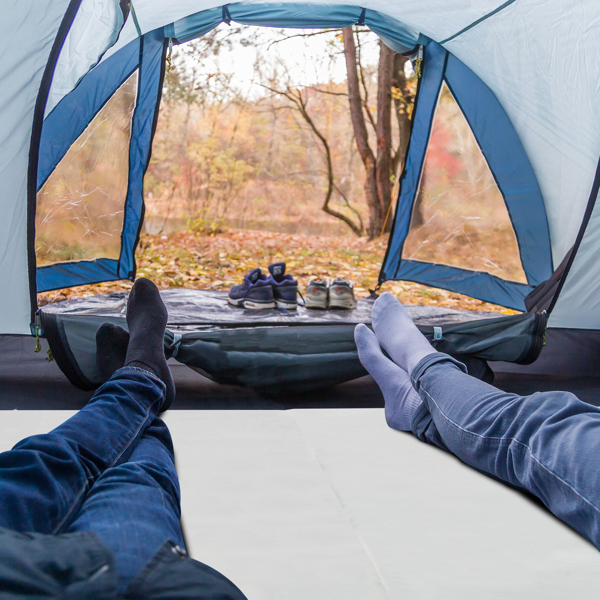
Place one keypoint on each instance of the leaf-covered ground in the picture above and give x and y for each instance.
(185, 259)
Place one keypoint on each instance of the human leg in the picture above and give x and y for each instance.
(546, 443)
(44, 479)
(401, 399)
(135, 506)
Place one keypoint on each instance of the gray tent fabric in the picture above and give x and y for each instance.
(303, 352)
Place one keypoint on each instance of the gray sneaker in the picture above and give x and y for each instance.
(341, 294)
(317, 292)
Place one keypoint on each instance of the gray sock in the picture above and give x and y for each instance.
(397, 333)
(401, 399)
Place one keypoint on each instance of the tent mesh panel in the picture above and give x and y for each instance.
(460, 217)
(80, 207)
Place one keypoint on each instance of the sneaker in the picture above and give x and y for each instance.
(285, 287)
(341, 294)
(254, 292)
(317, 293)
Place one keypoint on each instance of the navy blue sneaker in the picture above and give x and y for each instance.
(285, 287)
(254, 292)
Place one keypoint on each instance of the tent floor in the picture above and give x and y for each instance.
(333, 505)
(29, 382)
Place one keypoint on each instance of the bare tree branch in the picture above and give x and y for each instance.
(330, 93)
(300, 104)
(301, 35)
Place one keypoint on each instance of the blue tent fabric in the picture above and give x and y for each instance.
(295, 15)
(81, 272)
(93, 92)
(510, 167)
(422, 121)
(476, 284)
(76, 110)
(142, 131)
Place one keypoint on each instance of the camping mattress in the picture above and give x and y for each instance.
(334, 505)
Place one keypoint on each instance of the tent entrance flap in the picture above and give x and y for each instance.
(306, 351)
(73, 251)
(459, 216)
(466, 167)
(80, 207)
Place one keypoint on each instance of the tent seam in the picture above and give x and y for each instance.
(478, 21)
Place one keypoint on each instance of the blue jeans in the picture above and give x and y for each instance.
(109, 469)
(547, 443)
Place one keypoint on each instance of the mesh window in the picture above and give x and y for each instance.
(460, 217)
(80, 207)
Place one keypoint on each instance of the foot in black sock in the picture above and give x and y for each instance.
(111, 349)
(147, 320)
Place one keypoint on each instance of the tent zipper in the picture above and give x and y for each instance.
(418, 62)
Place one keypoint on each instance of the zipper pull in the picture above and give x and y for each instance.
(38, 330)
(169, 54)
(419, 62)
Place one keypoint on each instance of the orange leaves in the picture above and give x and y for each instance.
(185, 259)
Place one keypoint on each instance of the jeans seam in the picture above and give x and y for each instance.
(112, 464)
(506, 439)
(71, 508)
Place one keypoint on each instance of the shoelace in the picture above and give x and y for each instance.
(303, 300)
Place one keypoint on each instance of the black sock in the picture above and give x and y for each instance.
(111, 349)
(147, 320)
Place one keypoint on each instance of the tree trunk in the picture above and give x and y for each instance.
(384, 132)
(403, 99)
(360, 134)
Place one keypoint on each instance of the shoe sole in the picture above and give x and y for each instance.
(286, 305)
(252, 305)
(239, 302)
(308, 303)
(348, 303)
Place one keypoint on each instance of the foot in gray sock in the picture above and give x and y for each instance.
(111, 349)
(397, 333)
(401, 399)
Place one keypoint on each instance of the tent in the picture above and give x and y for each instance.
(297, 489)
(512, 71)
(524, 74)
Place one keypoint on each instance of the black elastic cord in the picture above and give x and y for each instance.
(586, 219)
(125, 8)
(226, 16)
(361, 19)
